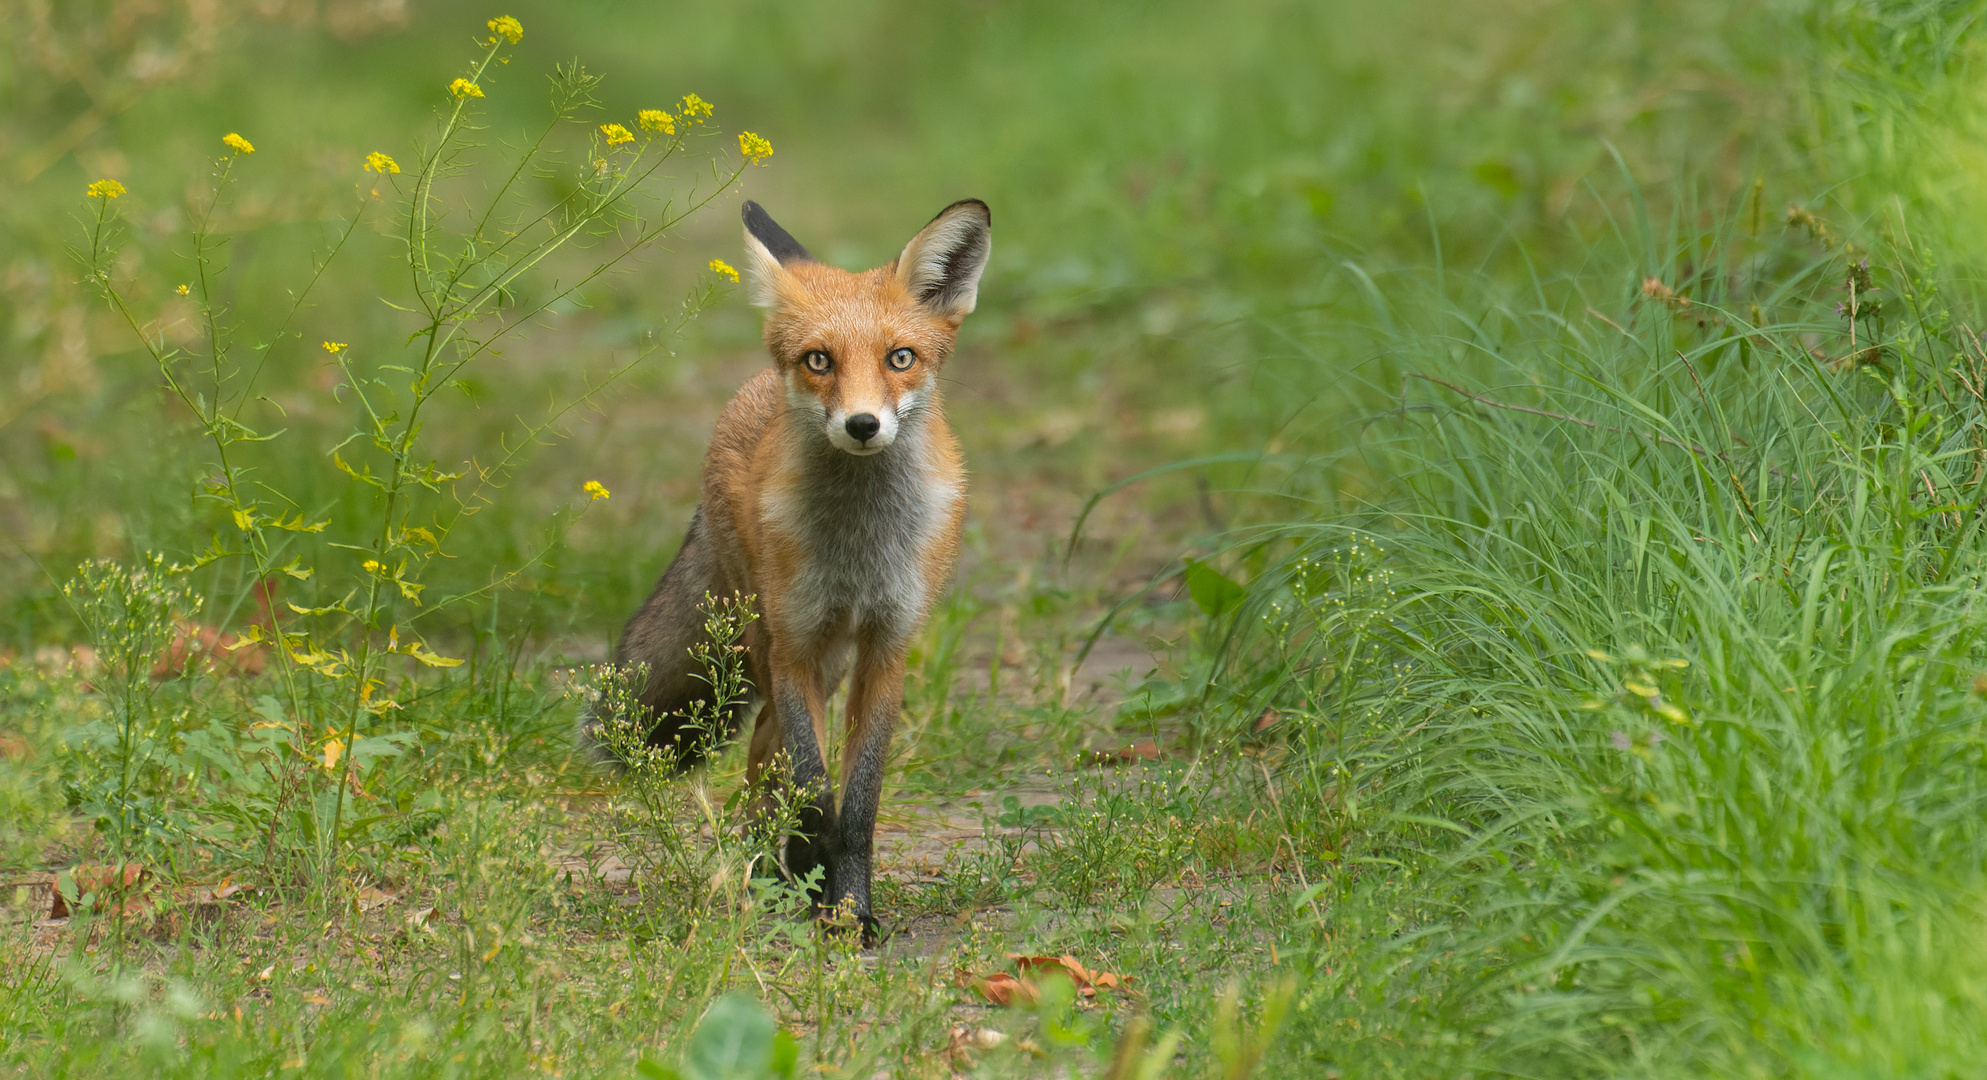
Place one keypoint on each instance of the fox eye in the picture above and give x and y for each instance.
(817, 361)
(902, 359)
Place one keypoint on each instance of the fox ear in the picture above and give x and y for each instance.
(768, 248)
(942, 263)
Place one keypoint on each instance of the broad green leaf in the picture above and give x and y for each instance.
(1214, 593)
(734, 1041)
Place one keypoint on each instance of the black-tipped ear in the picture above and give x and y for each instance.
(768, 249)
(941, 265)
(778, 242)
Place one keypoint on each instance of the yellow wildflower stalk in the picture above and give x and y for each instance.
(616, 134)
(695, 109)
(656, 120)
(596, 489)
(104, 189)
(463, 88)
(238, 144)
(506, 27)
(334, 347)
(380, 163)
(755, 149)
(723, 269)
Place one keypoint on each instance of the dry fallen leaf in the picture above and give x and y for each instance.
(202, 894)
(964, 1038)
(201, 647)
(1087, 981)
(316, 998)
(422, 919)
(370, 898)
(123, 884)
(1004, 989)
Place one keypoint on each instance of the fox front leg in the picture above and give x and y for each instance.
(874, 700)
(800, 703)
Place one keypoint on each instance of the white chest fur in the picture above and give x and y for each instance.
(862, 528)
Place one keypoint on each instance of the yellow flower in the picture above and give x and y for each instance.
(238, 144)
(380, 163)
(104, 189)
(723, 269)
(373, 566)
(657, 120)
(463, 88)
(508, 27)
(334, 347)
(695, 108)
(616, 134)
(755, 149)
(595, 488)
(182, 290)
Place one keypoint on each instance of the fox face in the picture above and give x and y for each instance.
(859, 353)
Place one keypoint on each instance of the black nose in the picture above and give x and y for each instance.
(863, 426)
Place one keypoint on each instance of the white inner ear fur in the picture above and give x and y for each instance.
(922, 266)
(763, 273)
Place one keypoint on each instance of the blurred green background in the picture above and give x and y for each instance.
(1177, 188)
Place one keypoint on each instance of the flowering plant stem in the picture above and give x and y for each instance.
(465, 289)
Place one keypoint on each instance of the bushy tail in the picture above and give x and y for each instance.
(661, 638)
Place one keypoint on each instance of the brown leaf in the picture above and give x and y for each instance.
(370, 898)
(15, 748)
(1266, 721)
(316, 998)
(1067, 966)
(964, 1038)
(1087, 981)
(214, 894)
(201, 647)
(422, 920)
(1004, 989)
(121, 883)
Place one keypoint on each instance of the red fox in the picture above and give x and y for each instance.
(833, 493)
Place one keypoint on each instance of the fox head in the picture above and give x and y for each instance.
(860, 352)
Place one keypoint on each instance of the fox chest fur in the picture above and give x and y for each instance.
(837, 547)
(858, 547)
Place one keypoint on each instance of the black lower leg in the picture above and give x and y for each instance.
(855, 831)
(813, 842)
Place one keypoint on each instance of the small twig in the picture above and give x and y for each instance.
(1610, 322)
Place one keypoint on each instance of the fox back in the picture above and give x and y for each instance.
(834, 496)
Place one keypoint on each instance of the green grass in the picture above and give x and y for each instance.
(1544, 676)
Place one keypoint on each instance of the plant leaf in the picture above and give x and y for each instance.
(1214, 593)
(734, 1041)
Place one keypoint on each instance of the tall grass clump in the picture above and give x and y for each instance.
(1646, 689)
